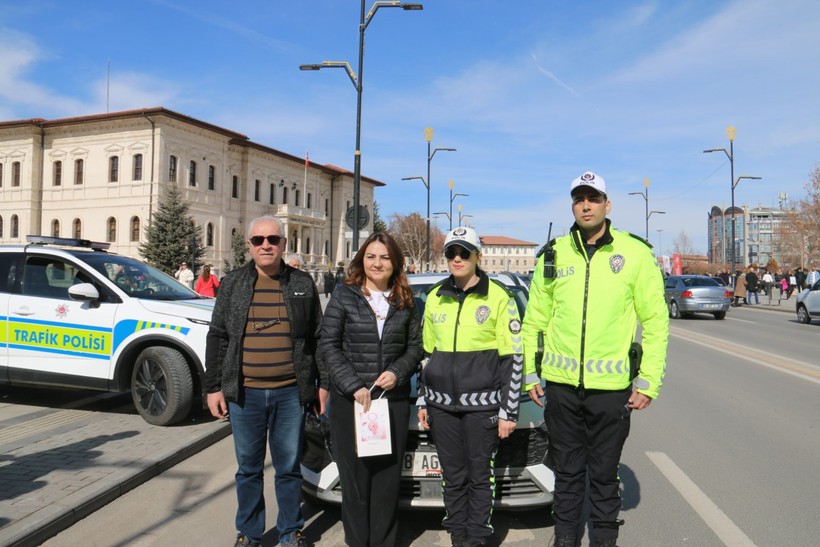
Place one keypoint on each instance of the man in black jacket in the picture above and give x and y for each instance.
(261, 366)
(752, 285)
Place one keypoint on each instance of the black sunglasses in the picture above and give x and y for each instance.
(259, 240)
(450, 253)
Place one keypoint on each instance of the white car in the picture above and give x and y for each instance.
(521, 476)
(74, 315)
(808, 304)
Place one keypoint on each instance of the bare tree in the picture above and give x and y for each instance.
(683, 245)
(799, 233)
(410, 232)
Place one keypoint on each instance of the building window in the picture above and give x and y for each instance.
(172, 169)
(55, 228)
(235, 187)
(271, 199)
(307, 246)
(257, 189)
(78, 229)
(111, 231)
(192, 173)
(327, 248)
(1, 226)
(58, 173)
(327, 206)
(137, 166)
(135, 228)
(347, 249)
(78, 171)
(209, 235)
(211, 177)
(1, 175)
(15, 227)
(113, 169)
(297, 195)
(15, 173)
(284, 196)
(309, 200)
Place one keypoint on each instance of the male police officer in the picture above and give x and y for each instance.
(588, 291)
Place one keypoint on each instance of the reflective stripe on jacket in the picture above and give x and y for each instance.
(589, 312)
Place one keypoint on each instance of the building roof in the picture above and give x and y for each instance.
(237, 139)
(504, 240)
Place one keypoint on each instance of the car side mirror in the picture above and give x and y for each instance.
(84, 292)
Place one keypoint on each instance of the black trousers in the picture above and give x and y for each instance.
(466, 444)
(370, 486)
(587, 432)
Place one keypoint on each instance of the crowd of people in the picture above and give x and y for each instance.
(752, 281)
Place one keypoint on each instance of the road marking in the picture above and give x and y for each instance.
(741, 320)
(779, 363)
(716, 519)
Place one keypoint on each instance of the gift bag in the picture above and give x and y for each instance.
(373, 429)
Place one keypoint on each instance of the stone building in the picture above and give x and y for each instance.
(101, 177)
(499, 254)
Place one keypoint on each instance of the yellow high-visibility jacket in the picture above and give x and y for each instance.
(588, 314)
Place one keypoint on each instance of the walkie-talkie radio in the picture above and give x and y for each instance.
(549, 257)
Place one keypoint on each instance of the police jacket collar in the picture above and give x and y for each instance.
(580, 243)
(449, 288)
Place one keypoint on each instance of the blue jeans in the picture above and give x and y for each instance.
(750, 295)
(275, 415)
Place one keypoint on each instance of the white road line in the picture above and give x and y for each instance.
(716, 519)
(741, 320)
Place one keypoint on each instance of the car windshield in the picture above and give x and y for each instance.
(137, 279)
(700, 282)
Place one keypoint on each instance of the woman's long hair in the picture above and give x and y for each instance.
(401, 295)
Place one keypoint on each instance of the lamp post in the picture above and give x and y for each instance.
(730, 132)
(364, 21)
(452, 197)
(461, 216)
(428, 135)
(645, 196)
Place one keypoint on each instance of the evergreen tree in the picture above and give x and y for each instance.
(172, 237)
(378, 224)
(239, 255)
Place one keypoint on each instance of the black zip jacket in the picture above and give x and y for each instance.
(223, 350)
(353, 352)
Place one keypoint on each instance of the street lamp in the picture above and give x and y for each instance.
(645, 196)
(730, 132)
(364, 21)
(460, 216)
(452, 197)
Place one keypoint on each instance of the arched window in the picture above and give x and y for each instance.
(113, 169)
(307, 246)
(257, 190)
(78, 228)
(296, 201)
(211, 177)
(15, 173)
(15, 227)
(209, 235)
(327, 248)
(111, 231)
(58, 173)
(55, 228)
(272, 198)
(78, 171)
(285, 196)
(235, 187)
(137, 166)
(192, 173)
(135, 228)
(309, 200)
(1, 175)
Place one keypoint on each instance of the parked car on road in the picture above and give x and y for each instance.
(522, 478)
(74, 315)
(808, 304)
(688, 294)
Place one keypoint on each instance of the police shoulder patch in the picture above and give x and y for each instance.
(642, 240)
(515, 326)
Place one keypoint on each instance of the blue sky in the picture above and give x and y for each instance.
(531, 93)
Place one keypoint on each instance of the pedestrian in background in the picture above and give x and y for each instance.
(371, 343)
(752, 284)
(328, 282)
(261, 367)
(471, 384)
(812, 277)
(184, 275)
(295, 262)
(207, 284)
(590, 288)
(740, 289)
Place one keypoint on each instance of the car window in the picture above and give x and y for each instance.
(138, 279)
(7, 260)
(47, 277)
(671, 283)
(700, 282)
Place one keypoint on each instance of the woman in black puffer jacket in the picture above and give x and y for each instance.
(371, 340)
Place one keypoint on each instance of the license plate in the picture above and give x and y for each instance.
(709, 306)
(421, 464)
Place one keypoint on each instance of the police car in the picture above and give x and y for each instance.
(74, 315)
(521, 476)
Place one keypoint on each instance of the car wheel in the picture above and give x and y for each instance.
(803, 314)
(720, 315)
(674, 311)
(161, 386)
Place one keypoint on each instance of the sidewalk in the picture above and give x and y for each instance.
(773, 304)
(59, 466)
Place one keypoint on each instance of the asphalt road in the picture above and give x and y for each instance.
(726, 456)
